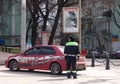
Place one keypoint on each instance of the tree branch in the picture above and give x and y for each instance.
(116, 21)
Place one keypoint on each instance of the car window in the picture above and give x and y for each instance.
(41, 50)
(32, 51)
(46, 50)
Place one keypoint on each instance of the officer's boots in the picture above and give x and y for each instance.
(74, 75)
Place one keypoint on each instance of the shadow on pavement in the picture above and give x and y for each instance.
(30, 73)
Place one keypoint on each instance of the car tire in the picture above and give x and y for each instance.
(13, 65)
(55, 69)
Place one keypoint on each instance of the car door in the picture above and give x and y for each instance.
(29, 58)
(45, 56)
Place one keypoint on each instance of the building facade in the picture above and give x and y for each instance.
(10, 26)
(98, 26)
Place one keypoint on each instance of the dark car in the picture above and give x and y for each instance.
(115, 55)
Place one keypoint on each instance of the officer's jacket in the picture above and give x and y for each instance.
(71, 48)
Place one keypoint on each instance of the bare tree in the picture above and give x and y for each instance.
(44, 12)
(40, 13)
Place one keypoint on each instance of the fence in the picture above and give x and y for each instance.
(105, 59)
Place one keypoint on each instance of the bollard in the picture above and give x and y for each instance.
(93, 60)
(107, 62)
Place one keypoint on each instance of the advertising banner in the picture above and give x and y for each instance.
(70, 20)
(45, 38)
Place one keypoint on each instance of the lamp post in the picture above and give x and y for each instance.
(23, 25)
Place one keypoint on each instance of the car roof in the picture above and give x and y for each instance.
(61, 48)
(44, 45)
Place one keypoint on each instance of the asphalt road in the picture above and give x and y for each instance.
(93, 75)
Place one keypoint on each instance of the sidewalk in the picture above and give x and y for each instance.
(4, 56)
(92, 75)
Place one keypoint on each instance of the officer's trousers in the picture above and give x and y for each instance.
(71, 66)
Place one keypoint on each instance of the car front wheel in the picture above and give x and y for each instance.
(13, 65)
(55, 69)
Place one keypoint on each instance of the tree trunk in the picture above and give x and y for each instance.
(54, 27)
(34, 33)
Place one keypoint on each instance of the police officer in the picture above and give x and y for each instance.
(72, 53)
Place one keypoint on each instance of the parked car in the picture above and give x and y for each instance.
(42, 57)
(96, 53)
(115, 55)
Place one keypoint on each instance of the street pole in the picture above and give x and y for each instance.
(80, 24)
(93, 59)
(13, 22)
(23, 25)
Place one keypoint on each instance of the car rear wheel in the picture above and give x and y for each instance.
(13, 65)
(55, 69)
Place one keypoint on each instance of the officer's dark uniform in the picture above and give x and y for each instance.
(71, 51)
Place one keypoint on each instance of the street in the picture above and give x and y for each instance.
(92, 75)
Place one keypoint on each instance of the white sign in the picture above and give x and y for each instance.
(45, 38)
(70, 20)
